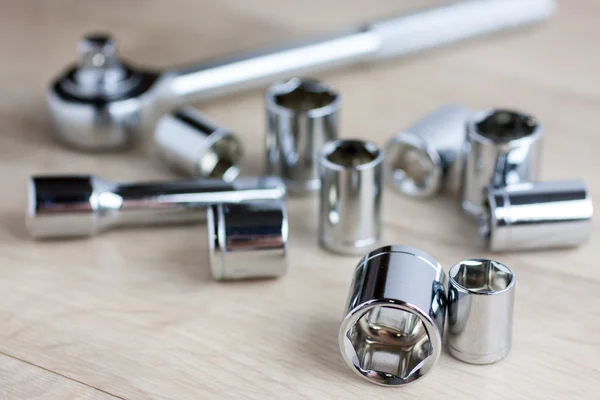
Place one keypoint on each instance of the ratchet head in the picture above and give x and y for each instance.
(62, 206)
(96, 104)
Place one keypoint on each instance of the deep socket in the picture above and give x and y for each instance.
(83, 205)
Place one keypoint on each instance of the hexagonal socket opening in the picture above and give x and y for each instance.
(506, 125)
(411, 167)
(482, 276)
(389, 345)
(352, 153)
(301, 95)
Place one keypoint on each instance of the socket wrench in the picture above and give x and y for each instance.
(102, 102)
(83, 205)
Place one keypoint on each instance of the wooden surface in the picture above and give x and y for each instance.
(134, 314)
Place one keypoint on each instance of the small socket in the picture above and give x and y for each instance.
(350, 201)
(248, 241)
(536, 215)
(481, 295)
(302, 115)
(422, 160)
(503, 147)
(196, 147)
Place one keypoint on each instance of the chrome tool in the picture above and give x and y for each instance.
(481, 296)
(102, 102)
(350, 201)
(83, 205)
(394, 319)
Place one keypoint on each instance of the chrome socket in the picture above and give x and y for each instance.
(503, 147)
(247, 241)
(83, 205)
(350, 200)
(302, 115)
(533, 215)
(196, 147)
(481, 295)
(424, 159)
(391, 333)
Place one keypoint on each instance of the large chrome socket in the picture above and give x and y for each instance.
(350, 202)
(534, 215)
(197, 147)
(83, 205)
(425, 158)
(302, 115)
(394, 319)
(481, 295)
(248, 241)
(503, 147)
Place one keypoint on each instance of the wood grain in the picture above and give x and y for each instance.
(22, 380)
(133, 314)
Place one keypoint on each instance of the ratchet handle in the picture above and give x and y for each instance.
(443, 25)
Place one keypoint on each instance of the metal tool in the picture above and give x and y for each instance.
(248, 240)
(83, 205)
(197, 147)
(481, 295)
(100, 103)
(392, 330)
(350, 201)
(302, 115)
(422, 159)
(534, 215)
(503, 147)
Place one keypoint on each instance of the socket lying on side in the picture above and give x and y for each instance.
(423, 159)
(536, 215)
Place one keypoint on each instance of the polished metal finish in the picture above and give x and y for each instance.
(421, 160)
(83, 205)
(350, 203)
(302, 115)
(481, 296)
(197, 147)
(106, 120)
(248, 240)
(503, 147)
(391, 333)
(537, 215)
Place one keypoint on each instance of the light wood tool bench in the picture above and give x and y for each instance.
(133, 314)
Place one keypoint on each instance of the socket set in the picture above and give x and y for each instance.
(490, 161)
(487, 162)
(393, 325)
